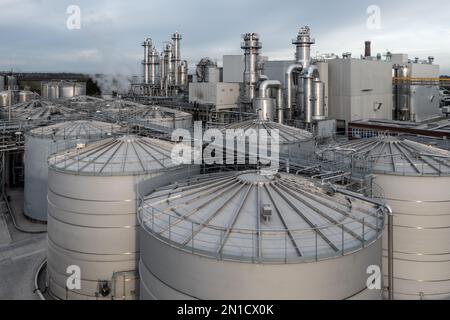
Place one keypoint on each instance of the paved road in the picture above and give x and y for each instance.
(18, 264)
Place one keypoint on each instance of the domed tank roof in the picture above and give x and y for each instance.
(391, 155)
(39, 109)
(80, 129)
(125, 155)
(249, 216)
(288, 134)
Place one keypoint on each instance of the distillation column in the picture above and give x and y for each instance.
(251, 46)
(147, 44)
(310, 94)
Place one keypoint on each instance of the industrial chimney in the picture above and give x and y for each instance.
(368, 51)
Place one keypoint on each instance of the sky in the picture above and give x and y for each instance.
(34, 36)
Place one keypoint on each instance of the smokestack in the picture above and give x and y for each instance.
(368, 51)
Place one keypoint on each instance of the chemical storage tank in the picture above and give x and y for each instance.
(92, 205)
(4, 99)
(25, 96)
(415, 180)
(248, 236)
(293, 143)
(165, 117)
(40, 110)
(40, 143)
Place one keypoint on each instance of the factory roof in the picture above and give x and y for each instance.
(254, 217)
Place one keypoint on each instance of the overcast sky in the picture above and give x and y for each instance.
(34, 35)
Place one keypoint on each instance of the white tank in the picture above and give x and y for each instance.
(92, 204)
(41, 142)
(293, 142)
(247, 236)
(414, 179)
(165, 117)
(40, 110)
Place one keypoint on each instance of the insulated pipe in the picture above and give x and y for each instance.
(265, 86)
(297, 68)
(307, 96)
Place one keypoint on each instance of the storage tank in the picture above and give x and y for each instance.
(415, 180)
(248, 236)
(293, 142)
(41, 142)
(165, 117)
(92, 205)
(25, 96)
(40, 110)
(4, 99)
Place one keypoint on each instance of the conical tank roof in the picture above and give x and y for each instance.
(81, 129)
(125, 155)
(249, 216)
(287, 134)
(41, 110)
(390, 155)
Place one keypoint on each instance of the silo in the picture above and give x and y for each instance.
(249, 236)
(415, 180)
(92, 204)
(41, 142)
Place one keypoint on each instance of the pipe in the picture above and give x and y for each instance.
(265, 86)
(390, 215)
(288, 83)
(368, 49)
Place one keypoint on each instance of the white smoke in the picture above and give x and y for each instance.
(109, 83)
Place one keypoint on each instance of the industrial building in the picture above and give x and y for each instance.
(361, 177)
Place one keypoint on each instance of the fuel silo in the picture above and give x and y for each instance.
(92, 205)
(249, 236)
(40, 143)
(415, 180)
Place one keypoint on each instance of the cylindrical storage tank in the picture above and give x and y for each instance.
(40, 110)
(66, 90)
(4, 99)
(265, 108)
(414, 179)
(25, 96)
(293, 142)
(165, 117)
(80, 89)
(248, 236)
(41, 142)
(92, 205)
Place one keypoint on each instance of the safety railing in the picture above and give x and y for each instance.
(261, 246)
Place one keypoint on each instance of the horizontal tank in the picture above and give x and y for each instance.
(249, 236)
(92, 205)
(39, 143)
(414, 179)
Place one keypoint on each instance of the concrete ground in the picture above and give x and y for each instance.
(21, 253)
